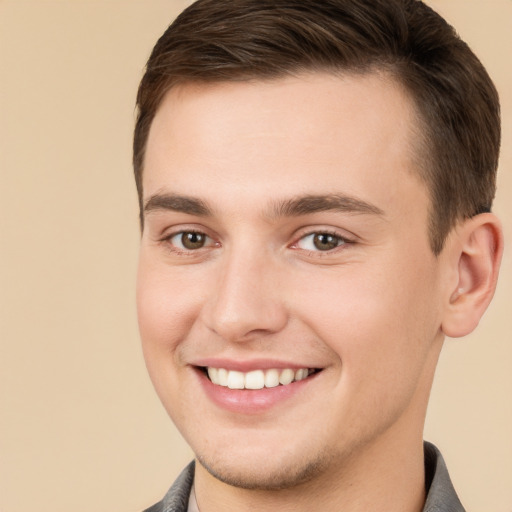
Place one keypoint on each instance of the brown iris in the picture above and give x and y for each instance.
(191, 240)
(325, 241)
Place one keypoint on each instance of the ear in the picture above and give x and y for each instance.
(477, 249)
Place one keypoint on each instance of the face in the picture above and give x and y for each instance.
(289, 302)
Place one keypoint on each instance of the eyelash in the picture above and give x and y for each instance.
(342, 242)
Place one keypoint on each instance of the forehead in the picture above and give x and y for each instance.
(292, 135)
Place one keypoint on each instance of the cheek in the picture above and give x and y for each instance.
(165, 307)
(375, 321)
(165, 315)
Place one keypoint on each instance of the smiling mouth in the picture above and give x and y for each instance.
(256, 379)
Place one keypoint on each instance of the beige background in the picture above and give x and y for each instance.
(80, 426)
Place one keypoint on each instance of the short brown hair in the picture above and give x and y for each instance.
(237, 40)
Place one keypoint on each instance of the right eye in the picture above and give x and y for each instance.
(190, 240)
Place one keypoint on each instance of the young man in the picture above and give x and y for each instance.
(315, 183)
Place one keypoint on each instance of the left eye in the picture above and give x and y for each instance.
(320, 242)
(190, 240)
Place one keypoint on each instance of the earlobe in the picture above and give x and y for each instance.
(477, 259)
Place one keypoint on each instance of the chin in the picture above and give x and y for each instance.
(263, 476)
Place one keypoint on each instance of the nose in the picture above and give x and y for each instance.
(246, 301)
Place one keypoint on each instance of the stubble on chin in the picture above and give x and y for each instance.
(288, 476)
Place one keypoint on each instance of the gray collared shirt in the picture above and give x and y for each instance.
(441, 496)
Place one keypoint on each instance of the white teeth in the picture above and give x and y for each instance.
(222, 377)
(301, 374)
(235, 380)
(286, 376)
(256, 379)
(271, 378)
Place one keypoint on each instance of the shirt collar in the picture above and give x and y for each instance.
(441, 496)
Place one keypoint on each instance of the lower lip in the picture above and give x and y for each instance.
(251, 401)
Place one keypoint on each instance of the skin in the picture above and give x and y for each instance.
(371, 313)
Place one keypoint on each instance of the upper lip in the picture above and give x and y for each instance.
(250, 365)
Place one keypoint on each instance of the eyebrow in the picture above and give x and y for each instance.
(308, 204)
(177, 203)
(295, 207)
